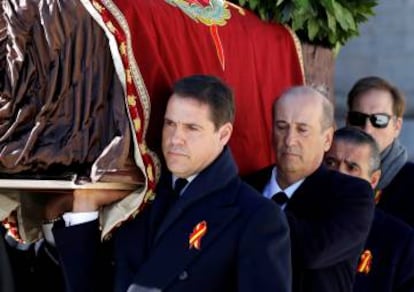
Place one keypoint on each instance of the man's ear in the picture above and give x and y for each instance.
(225, 132)
(328, 138)
(398, 126)
(375, 177)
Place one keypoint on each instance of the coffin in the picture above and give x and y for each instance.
(84, 85)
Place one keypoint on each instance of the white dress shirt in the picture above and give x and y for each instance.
(272, 187)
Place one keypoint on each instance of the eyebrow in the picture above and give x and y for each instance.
(184, 123)
(352, 163)
(301, 124)
(330, 157)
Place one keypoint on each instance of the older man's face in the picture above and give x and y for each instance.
(298, 137)
(350, 159)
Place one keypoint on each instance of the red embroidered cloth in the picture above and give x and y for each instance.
(261, 60)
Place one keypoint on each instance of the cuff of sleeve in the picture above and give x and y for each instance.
(47, 233)
(72, 218)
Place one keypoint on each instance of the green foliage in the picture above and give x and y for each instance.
(330, 23)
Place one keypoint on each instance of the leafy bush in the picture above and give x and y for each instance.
(330, 23)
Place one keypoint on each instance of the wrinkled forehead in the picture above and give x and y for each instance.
(297, 109)
(355, 153)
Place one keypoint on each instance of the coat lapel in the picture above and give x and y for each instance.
(172, 255)
(259, 179)
(205, 199)
(160, 206)
(193, 194)
(309, 192)
(205, 184)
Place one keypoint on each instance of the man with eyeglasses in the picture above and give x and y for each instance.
(377, 107)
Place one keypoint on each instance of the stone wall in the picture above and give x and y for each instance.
(384, 48)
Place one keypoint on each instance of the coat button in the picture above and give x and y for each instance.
(183, 275)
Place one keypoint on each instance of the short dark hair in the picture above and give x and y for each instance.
(356, 136)
(373, 82)
(211, 91)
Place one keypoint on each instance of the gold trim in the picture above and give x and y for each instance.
(143, 160)
(237, 7)
(137, 78)
(133, 66)
(299, 52)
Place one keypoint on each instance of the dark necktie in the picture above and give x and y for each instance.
(280, 198)
(179, 185)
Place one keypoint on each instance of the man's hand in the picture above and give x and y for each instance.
(81, 200)
(58, 204)
(87, 200)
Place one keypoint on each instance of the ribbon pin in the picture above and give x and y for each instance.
(198, 232)
(378, 194)
(365, 262)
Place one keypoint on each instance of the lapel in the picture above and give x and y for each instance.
(171, 254)
(160, 205)
(311, 191)
(205, 199)
(213, 178)
(259, 179)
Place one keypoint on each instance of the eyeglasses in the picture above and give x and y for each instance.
(377, 120)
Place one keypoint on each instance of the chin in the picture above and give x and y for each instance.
(289, 158)
(175, 168)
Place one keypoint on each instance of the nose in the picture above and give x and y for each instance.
(367, 128)
(177, 136)
(290, 137)
(342, 168)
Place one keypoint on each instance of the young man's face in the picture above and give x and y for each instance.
(190, 141)
(377, 102)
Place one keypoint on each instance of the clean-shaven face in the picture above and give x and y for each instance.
(350, 159)
(190, 141)
(298, 137)
(373, 102)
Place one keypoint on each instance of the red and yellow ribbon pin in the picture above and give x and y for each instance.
(365, 262)
(198, 232)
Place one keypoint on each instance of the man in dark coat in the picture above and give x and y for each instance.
(6, 277)
(329, 213)
(377, 107)
(387, 262)
(218, 234)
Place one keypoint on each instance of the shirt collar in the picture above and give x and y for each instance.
(189, 179)
(272, 187)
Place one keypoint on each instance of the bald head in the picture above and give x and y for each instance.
(306, 96)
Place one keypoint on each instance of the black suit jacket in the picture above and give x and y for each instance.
(6, 277)
(398, 197)
(246, 246)
(391, 243)
(329, 217)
